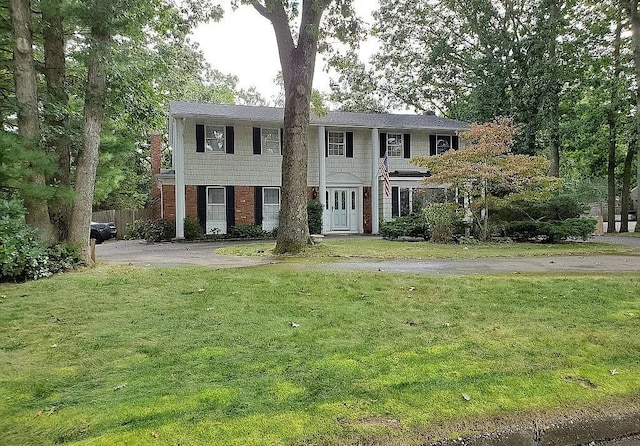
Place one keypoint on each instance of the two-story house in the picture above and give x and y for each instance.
(227, 165)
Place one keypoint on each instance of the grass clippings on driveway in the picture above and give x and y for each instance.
(131, 356)
(376, 248)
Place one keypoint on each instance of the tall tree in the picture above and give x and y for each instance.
(26, 93)
(297, 49)
(631, 8)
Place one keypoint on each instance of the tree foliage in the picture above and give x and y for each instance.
(486, 166)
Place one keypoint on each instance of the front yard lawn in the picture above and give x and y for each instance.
(374, 247)
(195, 356)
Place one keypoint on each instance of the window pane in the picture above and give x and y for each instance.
(214, 139)
(405, 208)
(215, 195)
(443, 143)
(394, 145)
(271, 141)
(336, 144)
(271, 195)
(353, 201)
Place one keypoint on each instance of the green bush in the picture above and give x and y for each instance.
(412, 225)
(192, 229)
(247, 231)
(314, 216)
(151, 230)
(443, 220)
(22, 256)
(550, 231)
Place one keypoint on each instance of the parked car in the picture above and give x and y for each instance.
(103, 231)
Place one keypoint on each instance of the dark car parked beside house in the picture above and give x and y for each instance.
(103, 231)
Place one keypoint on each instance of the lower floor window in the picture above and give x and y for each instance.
(270, 207)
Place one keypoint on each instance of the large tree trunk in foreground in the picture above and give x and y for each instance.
(56, 106)
(298, 63)
(88, 159)
(28, 119)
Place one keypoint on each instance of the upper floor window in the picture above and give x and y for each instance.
(214, 139)
(394, 145)
(270, 141)
(443, 143)
(336, 144)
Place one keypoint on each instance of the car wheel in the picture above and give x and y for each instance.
(96, 236)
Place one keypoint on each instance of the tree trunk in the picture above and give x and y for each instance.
(612, 122)
(298, 63)
(28, 119)
(56, 114)
(87, 163)
(631, 7)
(626, 187)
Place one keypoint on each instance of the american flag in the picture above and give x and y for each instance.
(383, 170)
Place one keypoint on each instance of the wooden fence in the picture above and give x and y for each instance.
(122, 218)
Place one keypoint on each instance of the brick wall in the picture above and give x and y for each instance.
(191, 201)
(169, 202)
(244, 206)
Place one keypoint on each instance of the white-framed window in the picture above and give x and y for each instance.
(270, 208)
(394, 145)
(270, 141)
(214, 141)
(336, 144)
(443, 143)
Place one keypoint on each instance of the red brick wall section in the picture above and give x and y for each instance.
(156, 164)
(169, 202)
(245, 210)
(366, 212)
(191, 201)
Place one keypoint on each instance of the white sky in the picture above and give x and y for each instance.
(243, 43)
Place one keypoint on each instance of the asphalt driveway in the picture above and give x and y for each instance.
(140, 253)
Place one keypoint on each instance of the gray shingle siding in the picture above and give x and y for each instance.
(266, 115)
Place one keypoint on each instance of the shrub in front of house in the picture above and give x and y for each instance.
(192, 229)
(314, 216)
(444, 221)
(412, 225)
(22, 255)
(549, 231)
(247, 231)
(151, 230)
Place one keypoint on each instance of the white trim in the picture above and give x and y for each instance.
(180, 186)
(375, 156)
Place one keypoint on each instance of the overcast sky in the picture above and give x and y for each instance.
(243, 43)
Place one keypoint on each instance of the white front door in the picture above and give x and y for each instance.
(216, 211)
(339, 208)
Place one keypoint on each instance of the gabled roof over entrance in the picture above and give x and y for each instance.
(260, 114)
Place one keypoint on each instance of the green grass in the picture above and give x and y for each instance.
(370, 247)
(194, 356)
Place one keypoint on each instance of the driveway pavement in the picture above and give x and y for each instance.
(136, 252)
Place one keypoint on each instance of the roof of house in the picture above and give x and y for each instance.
(260, 114)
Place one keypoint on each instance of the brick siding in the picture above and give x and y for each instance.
(245, 205)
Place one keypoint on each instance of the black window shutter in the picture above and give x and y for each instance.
(433, 150)
(230, 139)
(349, 144)
(407, 145)
(326, 143)
(257, 141)
(383, 144)
(257, 205)
(281, 140)
(455, 143)
(199, 138)
(231, 207)
(395, 201)
(201, 206)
